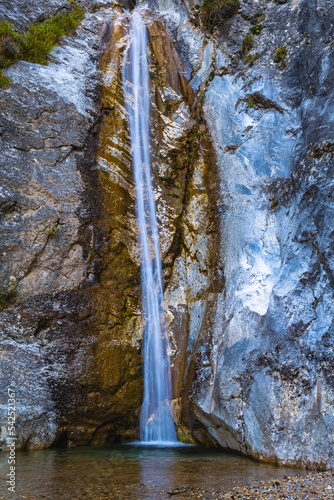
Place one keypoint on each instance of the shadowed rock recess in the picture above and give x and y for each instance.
(242, 147)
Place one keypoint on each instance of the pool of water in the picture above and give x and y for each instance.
(131, 472)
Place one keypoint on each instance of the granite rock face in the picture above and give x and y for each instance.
(242, 159)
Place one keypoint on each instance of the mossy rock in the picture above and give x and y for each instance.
(35, 45)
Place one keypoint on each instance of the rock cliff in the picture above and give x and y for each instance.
(242, 159)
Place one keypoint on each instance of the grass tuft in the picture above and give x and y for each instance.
(4, 81)
(35, 45)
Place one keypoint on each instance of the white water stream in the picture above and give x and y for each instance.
(156, 424)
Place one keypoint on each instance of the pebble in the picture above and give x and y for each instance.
(311, 486)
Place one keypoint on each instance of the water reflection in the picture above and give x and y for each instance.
(130, 472)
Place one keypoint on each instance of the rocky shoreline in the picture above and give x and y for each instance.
(311, 486)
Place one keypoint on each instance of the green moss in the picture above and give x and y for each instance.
(215, 12)
(8, 293)
(247, 44)
(35, 45)
(250, 104)
(280, 56)
(251, 59)
(52, 231)
(256, 30)
(273, 203)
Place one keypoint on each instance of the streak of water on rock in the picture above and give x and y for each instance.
(156, 422)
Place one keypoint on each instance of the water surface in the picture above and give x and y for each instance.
(132, 472)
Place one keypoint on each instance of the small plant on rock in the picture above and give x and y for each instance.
(273, 203)
(8, 292)
(97, 6)
(256, 30)
(247, 44)
(91, 256)
(252, 58)
(280, 56)
(52, 231)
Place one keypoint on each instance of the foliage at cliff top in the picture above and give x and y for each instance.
(35, 45)
(215, 12)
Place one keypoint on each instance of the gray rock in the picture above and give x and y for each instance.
(22, 13)
(245, 216)
(259, 381)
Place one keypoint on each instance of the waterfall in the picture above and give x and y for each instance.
(156, 424)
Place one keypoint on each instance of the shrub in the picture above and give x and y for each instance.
(215, 12)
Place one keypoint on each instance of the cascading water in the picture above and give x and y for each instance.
(156, 422)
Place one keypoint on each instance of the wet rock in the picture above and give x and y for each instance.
(257, 381)
(242, 160)
(75, 284)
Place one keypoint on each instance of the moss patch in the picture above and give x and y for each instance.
(280, 56)
(214, 13)
(252, 58)
(8, 293)
(52, 231)
(4, 81)
(35, 45)
(247, 44)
